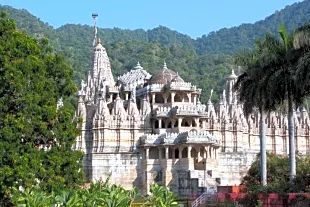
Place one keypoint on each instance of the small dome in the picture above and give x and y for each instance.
(165, 76)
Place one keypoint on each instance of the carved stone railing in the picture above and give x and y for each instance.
(113, 88)
(178, 138)
(190, 110)
(156, 87)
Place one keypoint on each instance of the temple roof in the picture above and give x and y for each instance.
(165, 76)
(134, 75)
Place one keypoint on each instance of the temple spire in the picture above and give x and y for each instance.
(95, 15)
(165, 65)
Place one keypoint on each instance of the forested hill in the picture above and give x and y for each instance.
(205, 61)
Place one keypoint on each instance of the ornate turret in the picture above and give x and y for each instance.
(101, 67)
(230, 93)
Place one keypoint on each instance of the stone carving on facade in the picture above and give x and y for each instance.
(143, 120)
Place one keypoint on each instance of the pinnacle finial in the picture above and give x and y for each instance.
(95, 15)
(99, 41)
(165, 65)
(232, 71)
(138, 66)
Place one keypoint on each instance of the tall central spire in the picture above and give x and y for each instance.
(101, 67)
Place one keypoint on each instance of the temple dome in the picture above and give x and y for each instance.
(165, 76)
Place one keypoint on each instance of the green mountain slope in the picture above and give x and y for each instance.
(234, 39)
(205, 61)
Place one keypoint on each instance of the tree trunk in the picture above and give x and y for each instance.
(291, 137)
(263, 157)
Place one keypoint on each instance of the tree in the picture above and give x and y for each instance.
(36, 137)
(278, 63)
(254, 92)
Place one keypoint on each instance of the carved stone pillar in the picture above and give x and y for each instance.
(204, 124)
(180, 152)
(126, 96)
(159, 123)
(189, 149)
(166, 153)
(153, 98)
(179, 122)
(172, 97)
(147, 153)
(207, 151)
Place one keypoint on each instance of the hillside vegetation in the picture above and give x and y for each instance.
(205, 61)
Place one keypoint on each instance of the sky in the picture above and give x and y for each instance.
(194, 18)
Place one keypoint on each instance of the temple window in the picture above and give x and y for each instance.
(169, 125)
(169, 99)
(194, 153)
(177, 98)
(184, 123)
(185, 98)
(176, 153)
(184, 152)
(194, 123)
(170, 153)
(154, 153)
(202, 152)
(163, 124)
(159, 98)
(176, 124)
(156, 124)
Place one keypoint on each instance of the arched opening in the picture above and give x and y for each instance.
(156, 124)
(169, 153)
(184, 123)
(176, 124)
(163, 124)
(177, 98)
(185, 98)
(194, 153)
(159, 98)
(194, 123)
(169, 98)
(185, 152)
(202, 152)
(176, 153)
(169, 125)
(153, 153)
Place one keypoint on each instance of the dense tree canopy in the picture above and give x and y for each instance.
(35, 137)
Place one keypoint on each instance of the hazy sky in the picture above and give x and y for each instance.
(195, 17)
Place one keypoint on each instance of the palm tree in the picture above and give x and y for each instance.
(253, 92)
(283, 67)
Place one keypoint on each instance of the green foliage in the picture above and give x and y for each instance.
(161, 197)
(32, 79)
(277, 178)
(100, 194)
